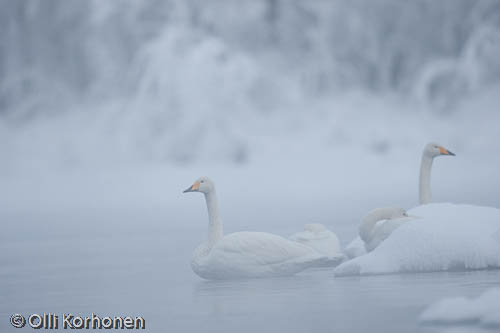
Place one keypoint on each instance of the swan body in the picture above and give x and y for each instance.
(252, 255)
(322, 240)
(245, 254)
(446, 237)
(431, 150)
(355, 248)
(379, 224)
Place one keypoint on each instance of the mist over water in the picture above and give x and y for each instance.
(300, 111)
(187, 82)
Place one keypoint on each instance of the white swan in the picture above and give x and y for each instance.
(322, 240)
(245, 254)
(446, 237)
(431, 150)
(372, 232)
(355, 248)
(379, 223)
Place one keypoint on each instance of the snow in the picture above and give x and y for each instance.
(483, 310)
(448, 237)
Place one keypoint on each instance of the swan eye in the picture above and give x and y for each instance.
(202, 181)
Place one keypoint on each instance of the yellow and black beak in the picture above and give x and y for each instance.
(193, 188)
(445, 151)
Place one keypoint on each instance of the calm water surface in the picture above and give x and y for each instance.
(127, 266)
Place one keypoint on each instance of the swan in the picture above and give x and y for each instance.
(372, 232)
(245, 254)
(324, 241)
(431, 150)
(355, 248)
(377, 226)
(446, 237)
(379, 223)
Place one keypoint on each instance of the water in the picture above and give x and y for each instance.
(140, 271)
(120, 244)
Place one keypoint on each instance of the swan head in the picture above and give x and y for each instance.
(202, 184)
(433, 149)
(386, 213)
(397, 212)
(315, 227)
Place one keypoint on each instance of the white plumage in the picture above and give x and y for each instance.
(251, 255)
(379, 224)
(245, 254)
(322, 240)
(445, 237)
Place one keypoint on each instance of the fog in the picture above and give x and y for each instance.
(299, 111)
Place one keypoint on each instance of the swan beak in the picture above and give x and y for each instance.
(445, 151)
(193, 188)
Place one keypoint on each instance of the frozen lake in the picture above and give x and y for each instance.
(120, 244)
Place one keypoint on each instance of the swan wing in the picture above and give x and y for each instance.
(261, 248)
(255, 254)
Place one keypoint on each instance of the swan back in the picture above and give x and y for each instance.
(319, 238)
(253, 254)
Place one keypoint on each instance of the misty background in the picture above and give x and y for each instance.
(301, 111)
(185, 82)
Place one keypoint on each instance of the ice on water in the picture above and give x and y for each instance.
(482, 311)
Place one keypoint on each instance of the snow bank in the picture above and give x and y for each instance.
(483, 310)
(448, 237)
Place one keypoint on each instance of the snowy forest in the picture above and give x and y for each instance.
(184, 81)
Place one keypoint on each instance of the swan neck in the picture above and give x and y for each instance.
(425, 194)
(368, 227)
(215, 230)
